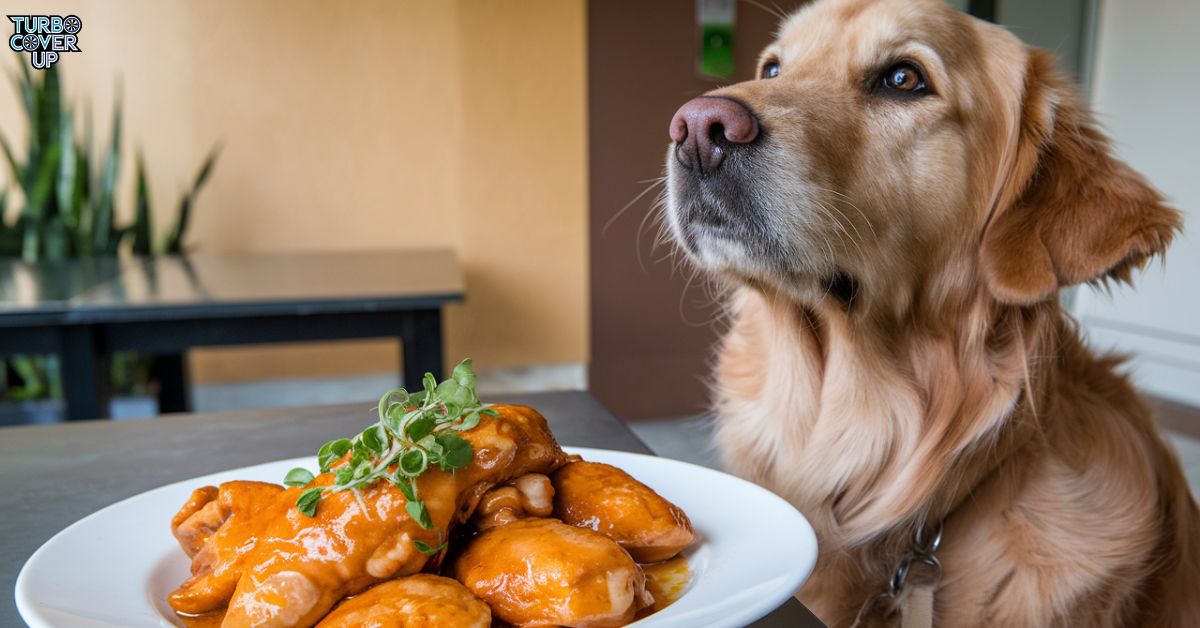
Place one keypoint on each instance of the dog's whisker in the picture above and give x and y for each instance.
(846, 199)
(775, 11)
(655, 213)
(653, 184)
(828, 211)
(857, 233)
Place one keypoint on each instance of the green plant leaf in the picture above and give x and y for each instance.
(27, 369)
(56, 245)
(469, 421)
(174, 241)
(15, 169)
(36, 204)
(456, 452)
(421, 427)
(406, 487)
(103, 233)
(142, 227)
(298, 477)
(49, 108)
(464, 374)
(416, 509)
(307, 502)
(332, 451)
(80, 205)
(67, 165)
(374, 438)
(428, 549)
(413, 462)
(53, 377)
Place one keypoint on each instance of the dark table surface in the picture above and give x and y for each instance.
(86, 309)
(91, 290)
(51, 476)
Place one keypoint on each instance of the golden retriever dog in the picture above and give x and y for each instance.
(895, 203)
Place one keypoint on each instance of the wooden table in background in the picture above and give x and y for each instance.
(84, 310)
(53, 475)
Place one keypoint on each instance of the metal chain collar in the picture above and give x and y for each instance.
(922, 552)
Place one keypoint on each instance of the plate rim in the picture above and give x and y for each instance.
(27, 607)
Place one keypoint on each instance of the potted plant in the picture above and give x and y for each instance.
(69, 195)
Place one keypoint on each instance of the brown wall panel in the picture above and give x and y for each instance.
(652, 332)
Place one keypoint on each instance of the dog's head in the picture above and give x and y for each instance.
(885, 143)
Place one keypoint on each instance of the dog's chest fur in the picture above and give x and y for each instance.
(865, 445)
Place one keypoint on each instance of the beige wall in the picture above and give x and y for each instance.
(363, 125)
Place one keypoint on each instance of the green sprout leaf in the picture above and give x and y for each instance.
(330, 452)
(464, 374)
(429, 382)
(413, 462)
(468, 422)
(416, 509)
(374, 439)
(362, 470)
(395, 396)
(416, 430)
(421, 427)
(430, 444)
(392, 419)
(405, 487)
(298, 477)
(457, 452)
(427, 549)
(307, 502)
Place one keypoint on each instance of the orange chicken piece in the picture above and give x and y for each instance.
(417, 601)
(608, 500)
(301, 566)
(217, 528)
(541, 572)
(530, 495)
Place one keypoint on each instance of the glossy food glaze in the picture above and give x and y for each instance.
(218, 528)
(417, 601)
(604, 498)
(290, 568)
(542, 572)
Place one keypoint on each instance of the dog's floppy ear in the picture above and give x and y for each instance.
(1069, 212)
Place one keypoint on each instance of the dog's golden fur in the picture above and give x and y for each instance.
(950, 384)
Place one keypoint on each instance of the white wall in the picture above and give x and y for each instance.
(1060, 26)
(1146, 94)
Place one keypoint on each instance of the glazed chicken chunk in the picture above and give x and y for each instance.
(608, 500)
(275, 566)
(417, 601)
(531, 495)
(541, 572)
(217, 528)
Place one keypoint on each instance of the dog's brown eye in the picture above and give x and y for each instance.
(904, 77)
(770, 69)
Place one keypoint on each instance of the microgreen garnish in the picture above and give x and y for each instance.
(298, 477)
(428, 549)
(416, 430)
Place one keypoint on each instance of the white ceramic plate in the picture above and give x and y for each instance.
(116, 566)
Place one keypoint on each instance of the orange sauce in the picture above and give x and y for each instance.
(207, 620)
(666, 581)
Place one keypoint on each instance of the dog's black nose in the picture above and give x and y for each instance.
(705, 128)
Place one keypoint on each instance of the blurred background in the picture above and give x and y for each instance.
(526, 138)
